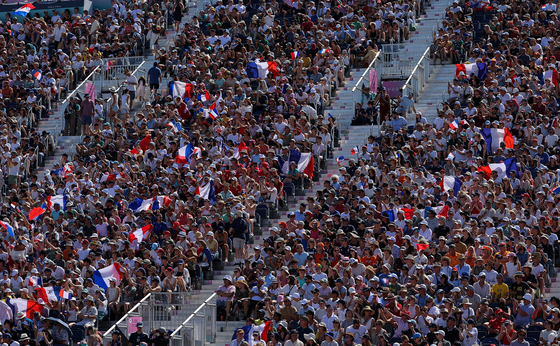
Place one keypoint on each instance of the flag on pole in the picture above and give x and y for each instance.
(295, 55)
(355, 150)
(339, 159)
(38, 75)
(454, 125)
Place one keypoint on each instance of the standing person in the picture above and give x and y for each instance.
(154, 77)
(138, 336)
(87, 107)
(237, 232)
(178, 9)
(70, 115)
(384, 105)
(131, 84)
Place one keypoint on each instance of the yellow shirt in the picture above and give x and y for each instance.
(500, 291)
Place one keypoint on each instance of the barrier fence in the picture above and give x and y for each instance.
(192, 325)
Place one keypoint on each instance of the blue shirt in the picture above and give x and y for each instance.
(153, 75)
(523, 320)
(301, 258)
(466, 269)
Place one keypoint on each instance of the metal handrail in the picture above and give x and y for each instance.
(206, 302)
(426, 52)
(125, 317)
(367, 70)
(75, 91)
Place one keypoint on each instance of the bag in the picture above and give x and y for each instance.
(412, 27)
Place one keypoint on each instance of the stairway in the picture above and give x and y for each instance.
(433, 94)
(343, 105)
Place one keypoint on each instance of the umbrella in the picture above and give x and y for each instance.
(61, 322)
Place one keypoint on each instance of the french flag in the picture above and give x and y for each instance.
(52, 200)
(237, 151)
(451, 183)
(23, 10)
(107, 177)
(27, 306)
(207, 191)
(15, 207)
(181, 89)
(552, 74)
(140, 234)
(450, 157)
(65, 294)
(101, 277)
(503, 168)
(324, 51)
(47, 294)
(203, 97)
(355, 150)
(479, 69)
(185, 153)
(305, 162)
(340, 159)
(67, 169)
(494, 137)
(38, 75)
(454, 125)
(160, 202)
(554, 192)
(35, 213)
(211, 112)
(260, 69)
(249, 329)
(175, 127)
(8, 228)
(295, 55)
(139, 205)
(292, 3)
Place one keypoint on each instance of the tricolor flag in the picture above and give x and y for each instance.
(140, 234)
(454, 125)
(451, 183)
(479, 69)
(324, 51)
(292, 3)
(184, 154)
(494, 137)
(46, 293)
(450, 157)
(65, 294)
(339, 159)
(8, 228)
(237, 151)
(305, 162)
(175, 127)
(207, 191)
(203, 96)
(139, 205)
(211, 112)
(555, 191)
(107, 177)
(27, 306)
(35, 213)
(503, 168)
(260, 69)
(355, 150)
(38, 75)
(408, 213)
(181, 89)
(295, 55)
(263, 329)
(52, 200)
(15, 207)
(23, 10)
(552, 74)
(101, 277)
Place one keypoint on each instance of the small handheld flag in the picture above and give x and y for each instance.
(295, 55)
(355, 150)
(38, 75)
(340, 159)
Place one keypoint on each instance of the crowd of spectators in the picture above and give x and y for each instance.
(443, 232)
